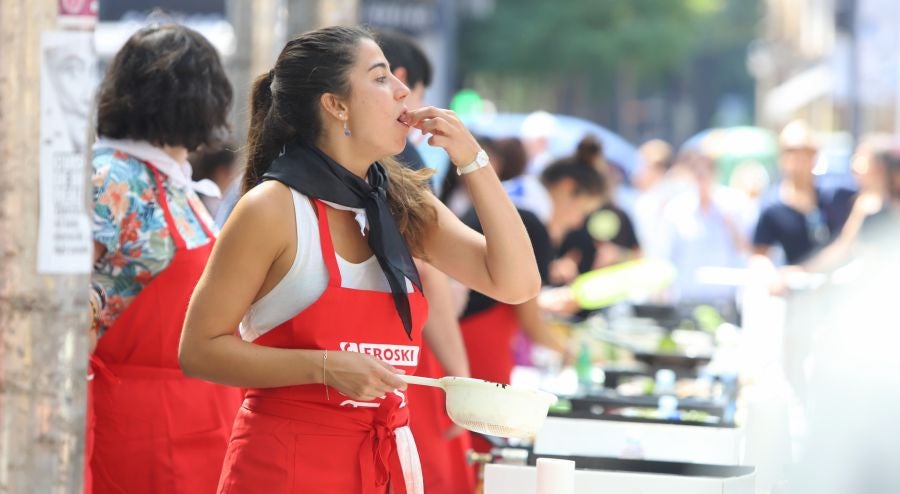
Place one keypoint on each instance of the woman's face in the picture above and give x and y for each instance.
(377, 100)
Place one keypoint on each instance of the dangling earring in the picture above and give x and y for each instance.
(346, 127)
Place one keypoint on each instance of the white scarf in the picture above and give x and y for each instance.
(179, 173)
(360, 217)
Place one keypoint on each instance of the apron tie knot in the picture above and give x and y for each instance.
(379, 461)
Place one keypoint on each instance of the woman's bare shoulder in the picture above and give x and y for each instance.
(266, 209)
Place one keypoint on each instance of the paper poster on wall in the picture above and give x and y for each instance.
(68, 82)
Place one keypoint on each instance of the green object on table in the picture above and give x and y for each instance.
(607, 286)
(561, 406)
(708, 318)
(667, 344)
(584, 364)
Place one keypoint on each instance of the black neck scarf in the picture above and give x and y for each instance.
(311, 172)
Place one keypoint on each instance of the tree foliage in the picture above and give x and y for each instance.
(540, 37)
(595, 55)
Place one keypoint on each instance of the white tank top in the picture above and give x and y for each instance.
(307, 278)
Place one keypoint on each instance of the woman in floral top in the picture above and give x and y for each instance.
(130, 226)
(152, 429)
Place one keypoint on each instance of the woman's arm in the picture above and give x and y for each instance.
(500, 263)
(536, 328)
(255, 236)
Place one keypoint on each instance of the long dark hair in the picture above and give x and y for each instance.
(165, 86)
(285, 108)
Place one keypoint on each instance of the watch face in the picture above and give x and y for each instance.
(481, 158)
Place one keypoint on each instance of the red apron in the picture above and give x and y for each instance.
(297, 439)
(156, 430)
(488, 336)
(444, 465)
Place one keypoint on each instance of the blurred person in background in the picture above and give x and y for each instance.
(490, 327)
(537, 130)
(804, 218)
(576, 190)
(453, 190)
(656, 155)
(515, 158)
(751, 178)
(151, 429)
(216, 164)
(525, 189)
(860, 244)
(509, 159)
(607, 236)
(442, 445)
(659, 179)
(706, 227)
(876, 166)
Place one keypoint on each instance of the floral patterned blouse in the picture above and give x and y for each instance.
(130, 223)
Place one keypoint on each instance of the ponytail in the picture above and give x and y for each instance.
(266, 135)
(588, 150)
(587, 180)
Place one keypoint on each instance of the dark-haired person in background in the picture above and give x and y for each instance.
(805, 218)
(876, 166)
(607, 236)
(489, 327)
(154, 430)
(442, 445)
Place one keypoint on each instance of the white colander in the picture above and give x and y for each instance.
(490, 408)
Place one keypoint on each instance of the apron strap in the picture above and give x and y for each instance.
(206, 229)
(180, 244)
(98, 367)
(163, 199)
(327, 246)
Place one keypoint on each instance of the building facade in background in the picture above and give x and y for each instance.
(835, 63)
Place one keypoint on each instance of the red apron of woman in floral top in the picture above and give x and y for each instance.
(151, 429)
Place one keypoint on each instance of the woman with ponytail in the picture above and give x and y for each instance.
(315, 268)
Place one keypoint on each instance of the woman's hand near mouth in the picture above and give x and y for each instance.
(447, 132)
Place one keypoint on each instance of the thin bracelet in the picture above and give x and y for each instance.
(325, 359)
